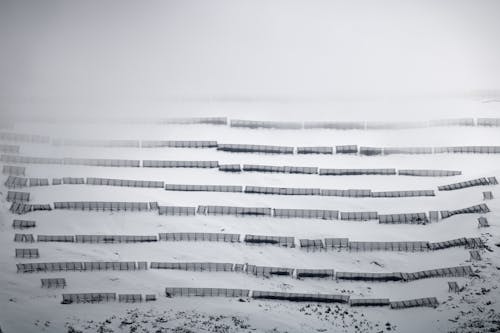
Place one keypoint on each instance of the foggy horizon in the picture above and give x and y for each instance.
(97, 51)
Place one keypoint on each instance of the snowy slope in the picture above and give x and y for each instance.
(23, 302)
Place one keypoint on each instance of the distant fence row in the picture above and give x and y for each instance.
(40, 267)
(258, 271)
(404, 218)
(259, 124)
(298, 191)
(267, 272)
(11, 152)
(364, 125)
(15, 182)
(23, 208)
(70, 161)
(301, 297)
(105, 297)
(18, 182)
(101, 297)
(13, 170)
(14, 179)
(9, 149)
(354, 149)
(283, 241)
(469, 183)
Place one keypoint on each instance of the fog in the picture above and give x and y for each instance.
(78, 57)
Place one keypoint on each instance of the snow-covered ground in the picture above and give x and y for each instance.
(25, 307)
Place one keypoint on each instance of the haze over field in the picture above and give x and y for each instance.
(83, 56)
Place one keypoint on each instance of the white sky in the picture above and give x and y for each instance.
(124, 50)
